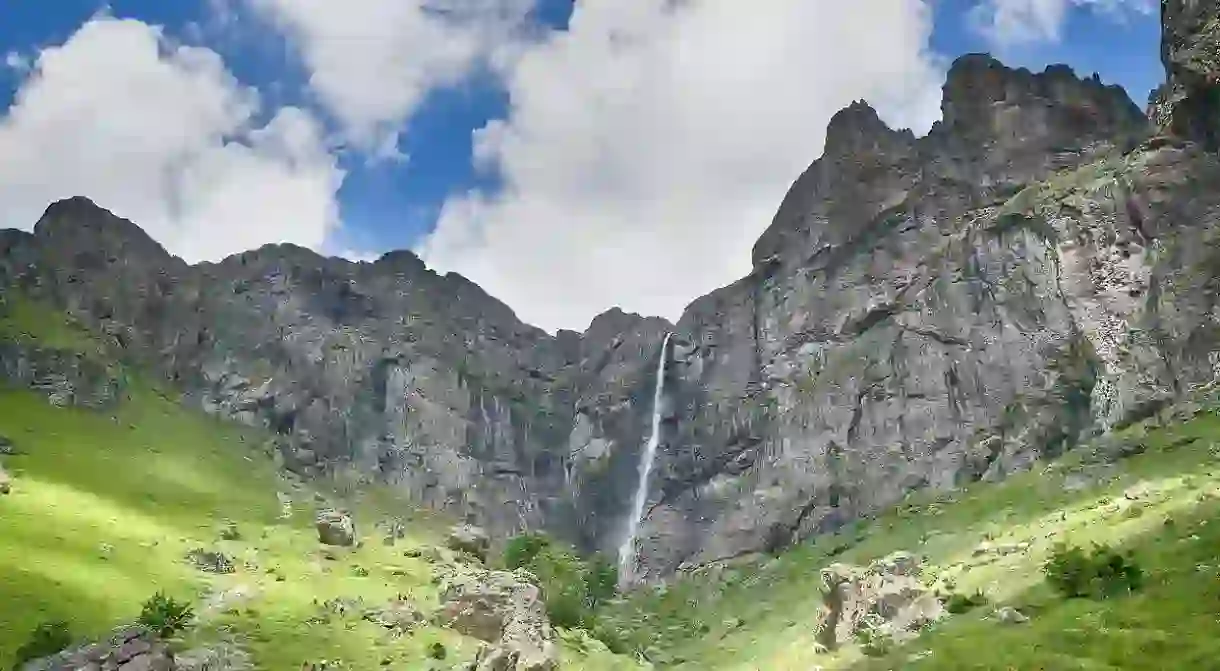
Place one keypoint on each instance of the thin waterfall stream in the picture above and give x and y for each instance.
(626, 551)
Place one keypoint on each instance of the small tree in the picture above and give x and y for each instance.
(165, 616)
(561, 575)
(1074, 573)
(521, 550)
(601, 580)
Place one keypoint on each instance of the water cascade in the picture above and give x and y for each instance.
(626, 551)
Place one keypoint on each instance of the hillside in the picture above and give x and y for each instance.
(1152, 489)
(106, 503)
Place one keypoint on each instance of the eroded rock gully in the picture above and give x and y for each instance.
(922, 312)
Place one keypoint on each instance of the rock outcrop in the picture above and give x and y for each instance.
(505, 610)
(922, 312)
(885, 600)
(469, 539)
(1188, 103)
(131, 649)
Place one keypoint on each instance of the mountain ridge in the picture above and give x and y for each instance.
(922, 312)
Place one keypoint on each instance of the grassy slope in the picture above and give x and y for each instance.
(155, 481)
(763, 616)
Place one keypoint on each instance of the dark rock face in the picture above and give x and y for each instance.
(922, 313)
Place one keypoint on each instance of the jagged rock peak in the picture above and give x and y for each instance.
(977, 82)
(401, 260)
(615, 320)
(77, 223)
(1188, 103)
(858, 128)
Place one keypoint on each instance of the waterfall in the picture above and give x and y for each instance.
(626, 551)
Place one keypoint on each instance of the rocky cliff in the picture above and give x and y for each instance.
(922, 313)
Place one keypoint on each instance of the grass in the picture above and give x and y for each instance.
(24, 319)
(105, 505)
(761, 615)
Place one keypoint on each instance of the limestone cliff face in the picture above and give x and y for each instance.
(922, 313)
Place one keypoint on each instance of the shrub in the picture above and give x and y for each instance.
(572, 587)
(521, 550)
(47, 639)
(561, 575)
(165, 616)
(1103, 573)
(962, 603)
(602, 580)
(437, 650)
(873, 640)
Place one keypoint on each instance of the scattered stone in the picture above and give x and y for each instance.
(210, 561)
(105, 550)
(506, 610)
(886, 598)
(470, 539)
(336, 528)
(400, 616)
(1010, 615)
(6, 482)
(216, 657)
(6, 446)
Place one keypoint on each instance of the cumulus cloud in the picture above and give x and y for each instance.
(1010, 22)
(647, 147)
(164, 135)
(372, 63)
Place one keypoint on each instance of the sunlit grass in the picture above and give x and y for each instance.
(104, 509)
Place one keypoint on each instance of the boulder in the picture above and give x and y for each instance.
(336, 528)
(6, 482)
(1010, 615)
(506, 610)
(471, 539)
(886, 597)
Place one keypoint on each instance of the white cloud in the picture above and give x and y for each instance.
(16, 61)
(1010, 22)
(163, 135)
(373, 62)
(647, 148)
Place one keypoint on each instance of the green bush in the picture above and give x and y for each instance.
(165, 616)
(1075, 573)
(962, 603)
(873, 640)
(572, 586)
(521, 550)
(561, 575)
(602, 580)
(437, 650)
(47, 639)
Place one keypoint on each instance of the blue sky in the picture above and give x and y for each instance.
(386, 204)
